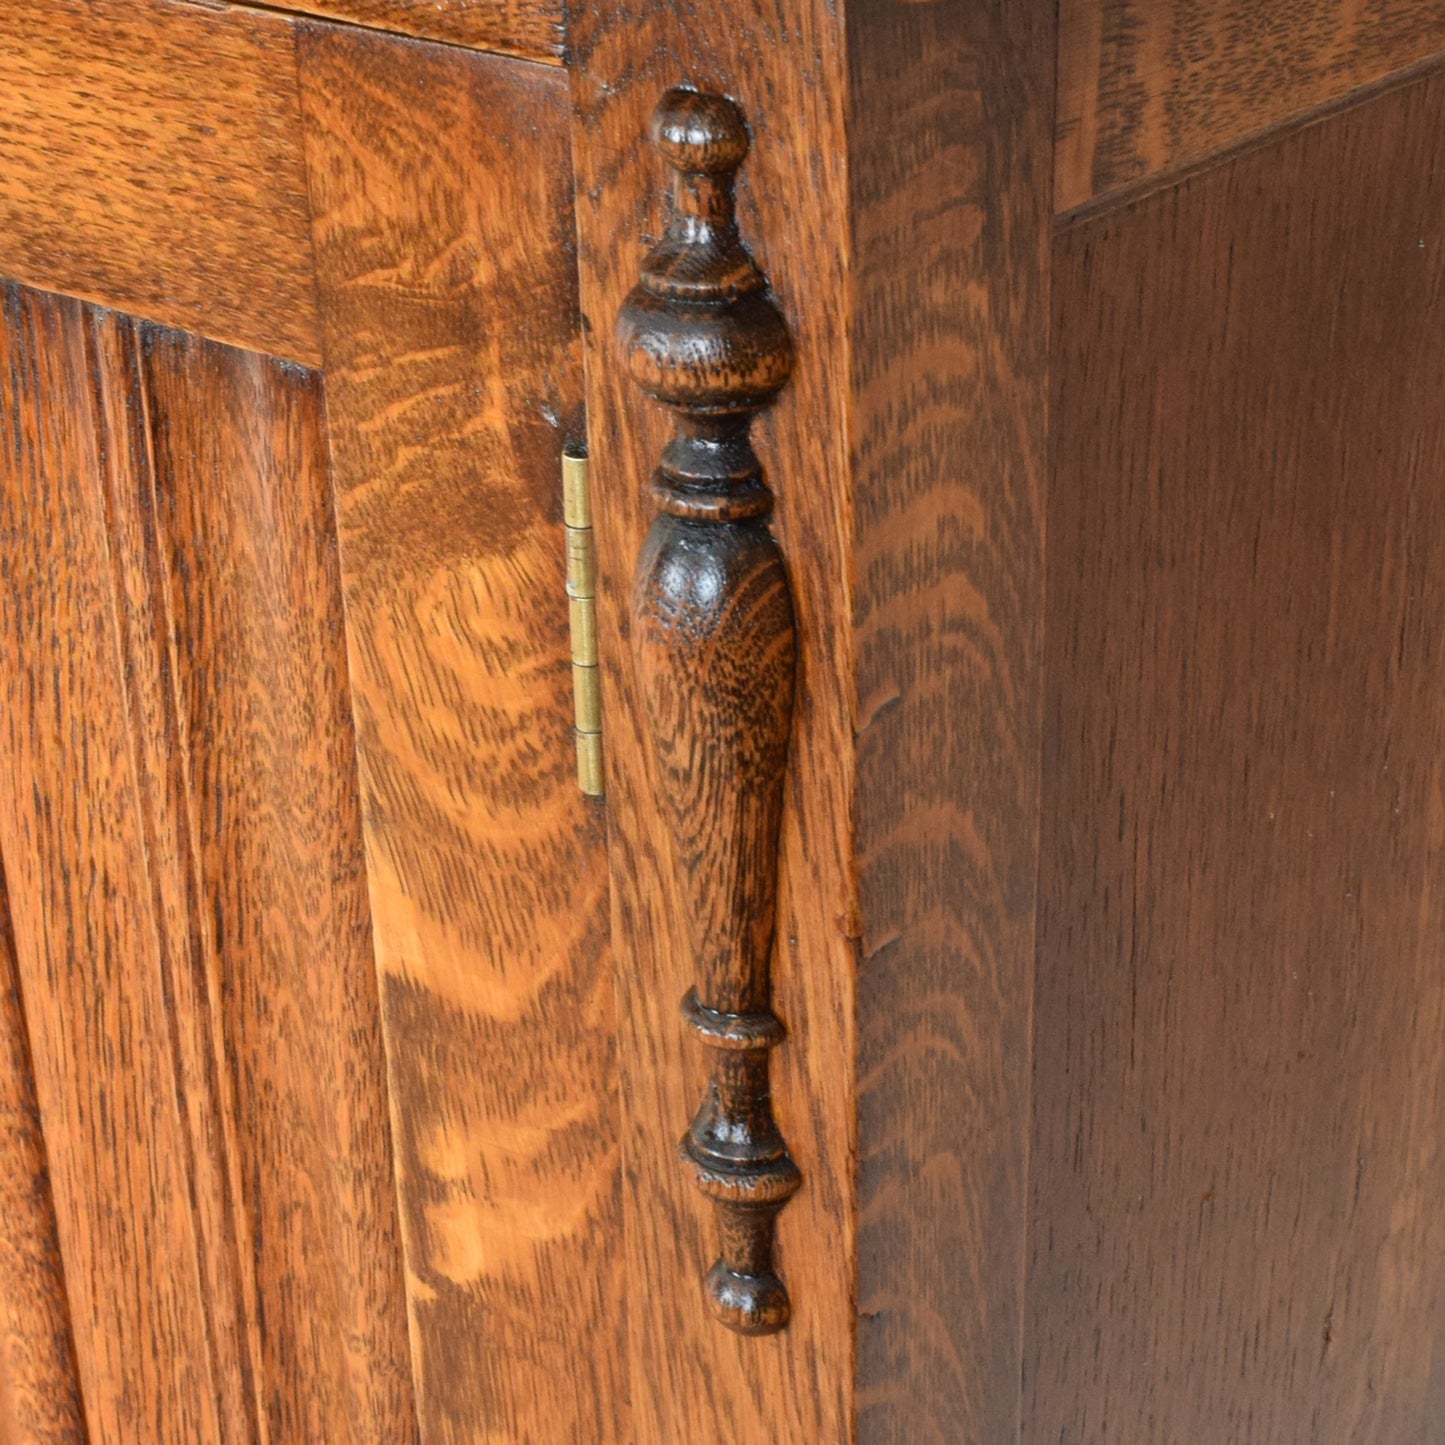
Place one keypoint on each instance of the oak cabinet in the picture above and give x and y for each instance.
(1009, 571)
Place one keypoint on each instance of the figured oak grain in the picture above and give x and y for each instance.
(1148, 86)
(40, 1401)
(150, 160)
(781, 63)
(443, 220)
(1236, 1231)
(950, 194)
(244, 531)
(897, 196)
(531, 29)
(189, 898)
(102, 946)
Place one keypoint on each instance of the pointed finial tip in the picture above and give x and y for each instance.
(698, 133)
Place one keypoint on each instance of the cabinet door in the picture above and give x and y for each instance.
(305, 988)
(1237, 1230)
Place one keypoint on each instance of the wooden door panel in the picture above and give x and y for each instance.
(442, 189)
(328, 1109)
(96, 933)
(39, 1383)
(245, 540)
(180, 827)
(1149, 86)
(1237, 1226)
(242, 1231)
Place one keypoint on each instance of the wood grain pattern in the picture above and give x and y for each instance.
(531, 29)
(783, 64)
(150, 159)
(716, 648)
(442, 195)
(1153, 85)
(950, 194)
(101, 935)
(1236, 1221)
(187, 889)
(907, 251)
(40, 1401)
(258, 657)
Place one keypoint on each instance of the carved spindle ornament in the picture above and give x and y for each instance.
(715, 649)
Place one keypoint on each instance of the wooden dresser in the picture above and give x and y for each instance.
(870, 577)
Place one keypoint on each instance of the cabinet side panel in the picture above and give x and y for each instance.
(950, 170)
(442, 194)
(692, 1379)
(1238, 1165)
(244, 541)
(40, 1401)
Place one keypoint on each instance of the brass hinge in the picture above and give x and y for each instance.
(582, 617)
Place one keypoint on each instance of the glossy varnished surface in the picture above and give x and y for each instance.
(182, 849)
(1233, 1230)
(1151, 85)
(443, 227)
(1236, 1227)
(155, 1344)
(150, 159)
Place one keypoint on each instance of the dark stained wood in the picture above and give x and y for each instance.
(715, 641)
(40, 1400)
(1152, 85)
(688, 1379)
(443, 225)
(150, 159)
(244, 530)
(950, 189)
(180, 831)
(531, 29)
(1236, 1225)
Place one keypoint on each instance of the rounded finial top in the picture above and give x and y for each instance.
(701, 134)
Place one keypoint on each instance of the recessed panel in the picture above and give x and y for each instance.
(1236, 1230)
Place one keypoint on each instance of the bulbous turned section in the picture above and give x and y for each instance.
(714, 635)
(699, 330)
(706, 357)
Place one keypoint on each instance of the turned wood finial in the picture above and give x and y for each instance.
(714, 636)
(700, 332)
